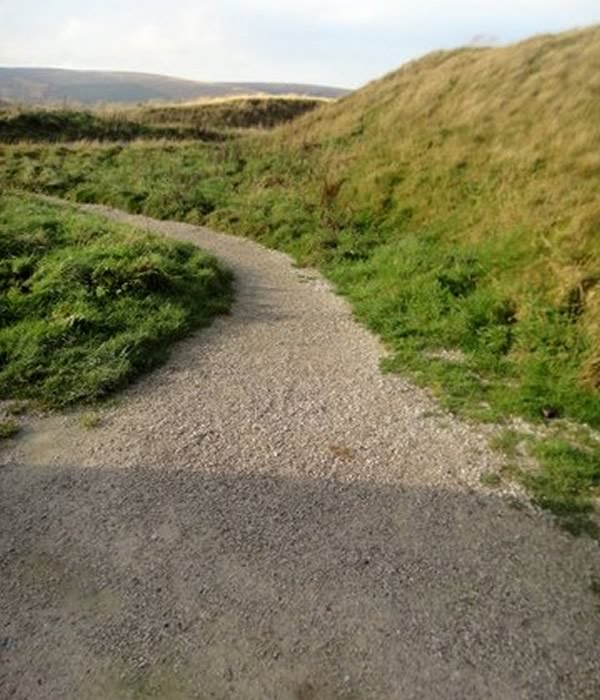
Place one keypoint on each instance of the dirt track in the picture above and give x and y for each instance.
(269, 517)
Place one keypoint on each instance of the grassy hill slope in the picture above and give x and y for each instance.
(484, 162)
(454, 201)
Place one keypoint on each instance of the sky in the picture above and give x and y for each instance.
(344, 43)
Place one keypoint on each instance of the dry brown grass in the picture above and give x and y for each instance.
(236, 99)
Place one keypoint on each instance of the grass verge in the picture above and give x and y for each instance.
(567, 483)
(560, 467)
(87, 305)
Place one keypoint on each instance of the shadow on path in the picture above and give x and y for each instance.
(160, 583)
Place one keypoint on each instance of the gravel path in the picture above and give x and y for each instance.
(269, 517)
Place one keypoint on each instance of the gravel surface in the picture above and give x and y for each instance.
(270, 517)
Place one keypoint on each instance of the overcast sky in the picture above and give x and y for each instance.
(333, 42)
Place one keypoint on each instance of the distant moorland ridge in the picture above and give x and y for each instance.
(50, 85)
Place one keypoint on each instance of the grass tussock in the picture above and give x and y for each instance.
(87, 305)
(8, 428)
(90, 420)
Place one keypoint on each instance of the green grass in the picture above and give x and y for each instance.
(165, 181)
(566, 479)
(87, 305)
(567, 483)
(454, 202)
(507, 442)
(421, 294)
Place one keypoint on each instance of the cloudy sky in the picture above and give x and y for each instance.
(334, 42)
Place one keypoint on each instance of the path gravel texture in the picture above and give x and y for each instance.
(270, 517)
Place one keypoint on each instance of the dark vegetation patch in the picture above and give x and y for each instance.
(67, 125)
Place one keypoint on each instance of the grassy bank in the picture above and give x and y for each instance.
(454, 202)
(229, 113)
(65, 125)
(165, 180)
(207, 121)
(87, 305)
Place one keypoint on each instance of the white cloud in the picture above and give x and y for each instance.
(72, 30)
(328, 41)
(149, 37)
(187, 41)
(412, 13)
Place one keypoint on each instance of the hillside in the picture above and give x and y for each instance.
(454, 202)
(52, 85)
(491, 151)
(201, 120)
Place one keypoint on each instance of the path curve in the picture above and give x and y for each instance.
(269, 517)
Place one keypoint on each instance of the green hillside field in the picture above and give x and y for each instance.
(454, 202)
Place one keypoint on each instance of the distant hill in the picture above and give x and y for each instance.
(50, 85)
